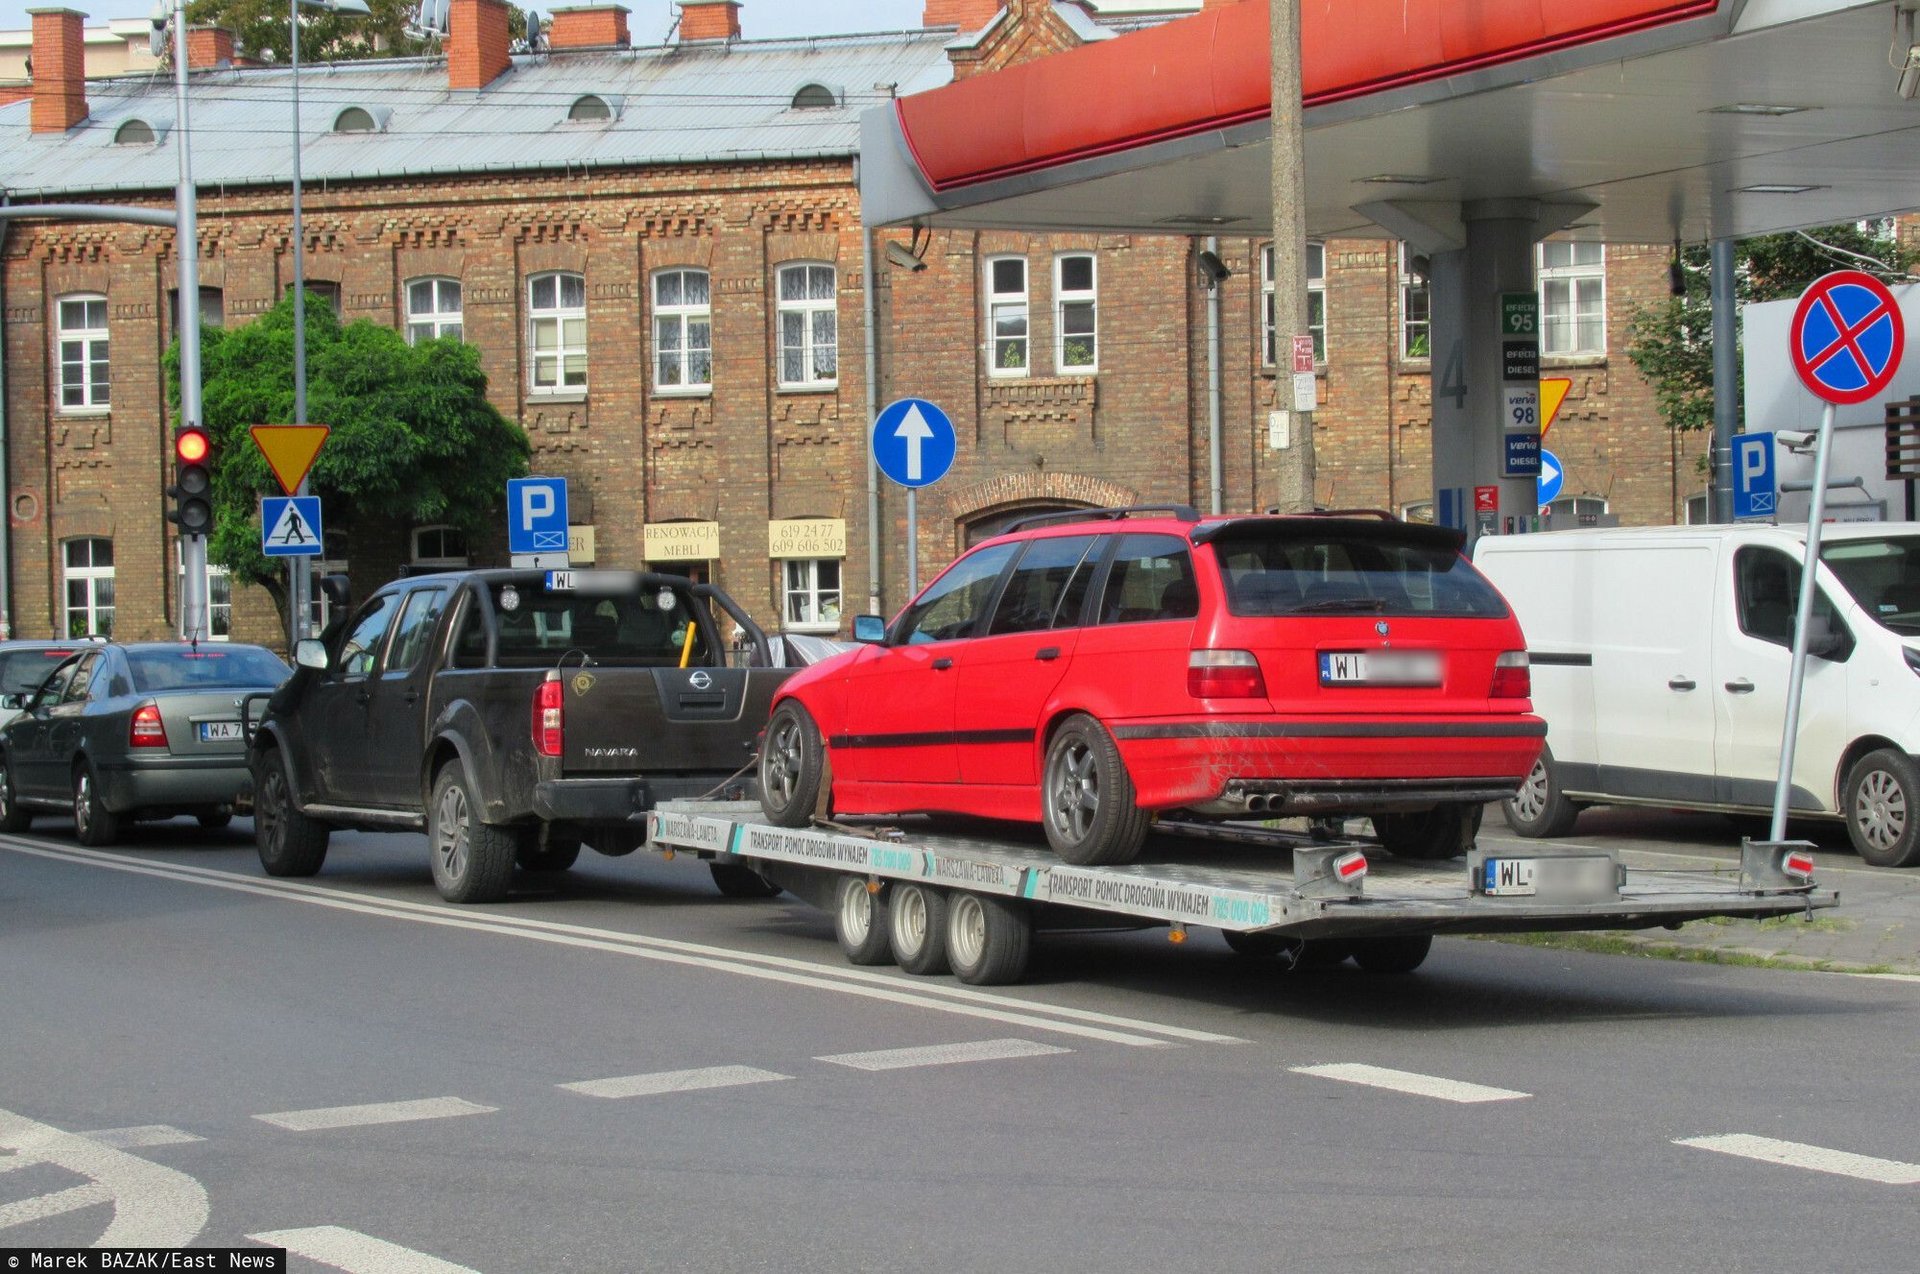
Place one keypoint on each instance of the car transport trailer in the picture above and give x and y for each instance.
(911, 893)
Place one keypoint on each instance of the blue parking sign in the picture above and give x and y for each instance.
(537, 515)
(1755, 494)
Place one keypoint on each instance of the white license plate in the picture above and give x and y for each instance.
(221, 732)
(1379, 668)
(1508, 876)
(1565, 877)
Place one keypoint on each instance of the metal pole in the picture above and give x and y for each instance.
(193, 548)
(873, 415)
(297, 606)
(1213, 386)
(1815, 514)
(913, 544)
(1295, 465)
(1726, 380)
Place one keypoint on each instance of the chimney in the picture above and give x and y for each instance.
(477, 43)
(589, 26)
(709, 20)
(968, 15)
(60, 70)
(208, 47)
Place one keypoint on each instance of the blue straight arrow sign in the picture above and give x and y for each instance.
(913, 442)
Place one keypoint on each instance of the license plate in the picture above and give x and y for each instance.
(1509, 876)
(1379, 668)
(221, 732)
(1563, 877)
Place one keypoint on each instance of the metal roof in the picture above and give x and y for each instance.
(684, 103)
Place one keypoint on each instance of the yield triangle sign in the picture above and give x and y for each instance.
(290, 450)
(1553, 392)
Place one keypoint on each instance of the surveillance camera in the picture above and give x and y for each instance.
(1212, 269)
(1420, 264)
(899, 254)
(1794, 440)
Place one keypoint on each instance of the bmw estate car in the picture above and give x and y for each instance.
(1088, 671)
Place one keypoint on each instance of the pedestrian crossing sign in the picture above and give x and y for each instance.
(290, 526)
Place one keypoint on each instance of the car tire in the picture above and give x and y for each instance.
(917, 929)
(1539, 809)
(14, 817)
(736, 881)
(988, 941)
(561, 852)
(93, 823)
(1883, 808)
(1086, 797)
(1399, 953)
(793, 763)
(288, 842)
(1443, 832)
(214, 820)
(472, 860)
(860, 922)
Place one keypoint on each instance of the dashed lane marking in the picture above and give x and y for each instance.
(1409, 1082)
(153, 1206)
(143, 1136)
(355, 1252)
(1794, 1154)
(892, 1059)
(385, 1112)
(673, 1081)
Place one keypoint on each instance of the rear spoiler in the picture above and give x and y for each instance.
(1418, 534)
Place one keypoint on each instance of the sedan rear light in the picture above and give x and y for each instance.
(1511, 678)
(1225, 674)
(147, 730)
(549, 717)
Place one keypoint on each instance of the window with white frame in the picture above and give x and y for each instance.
(82, 343)
(434, 310)
(1416, 311)
(87, 577)
(1316, 302)
(1417, 511)
(1576, 510)
(219, 598)
(812, 588)
(1076, 305)
(682, 331)
(439, 547)
(1007, 316)
(809, 327)
(557, 332)
(1700, 508)
(1573, 298)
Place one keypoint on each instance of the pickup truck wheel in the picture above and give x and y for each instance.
(1538, 809)
(1087, 798)
(93, 823)
(289, 843)
(735, 881)
(1400, 953)
(14, 817)
(792, 763)
(1443, 832)
(1883, 808)
(988, 941)
(917, 929)
(561, 853)
(860, 921)
(472, 861)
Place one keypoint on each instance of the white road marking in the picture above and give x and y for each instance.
(355, 1252)
(891, 1059)
(892, 988)
(153, 1206)
(384, 1112)
(1794, 1154)
(144, 1135)
(1409, 1082)
(673, 1081)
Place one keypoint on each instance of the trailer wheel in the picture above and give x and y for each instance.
(1087, 797)
(472, 860)
(792, 762)
(917, 929)
(988, 941)
(1883, 808)
(860, 922)
(561, 852)
(735, 881)
(1318, 954)
(1257, 946)
(1539, 809)
(1401, 953)
(1443, 832)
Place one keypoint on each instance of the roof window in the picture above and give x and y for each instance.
(135, 132)
(358, 119)
(815, 97)
(593, 106)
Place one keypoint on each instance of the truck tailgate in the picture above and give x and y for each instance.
(664, 720)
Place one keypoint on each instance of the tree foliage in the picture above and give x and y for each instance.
(414, 438)
(260, 29)
(1672, 342)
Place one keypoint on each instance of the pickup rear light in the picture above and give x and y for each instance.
(147, 730)
(1511, 677)
(1225, 674)
(549, 717)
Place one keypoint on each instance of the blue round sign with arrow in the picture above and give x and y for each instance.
(1552, 477)
(913, 442)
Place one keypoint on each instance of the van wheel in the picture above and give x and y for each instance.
(1445, 831)
(1883, 808)
(1539, 809)
(1087, 799)
(792, 764)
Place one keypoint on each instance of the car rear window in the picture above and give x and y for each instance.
(641, 626)
(204, 668)
(22, 671)
(1334, 574)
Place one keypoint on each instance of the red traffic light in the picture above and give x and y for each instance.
(190, 446)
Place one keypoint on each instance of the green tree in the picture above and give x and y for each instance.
(414, 438)
(1672, 342)
(260, 29)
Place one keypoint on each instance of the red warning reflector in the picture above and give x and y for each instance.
(1798, 864)
(1350, 866)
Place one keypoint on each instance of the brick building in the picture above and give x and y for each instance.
(659, 254)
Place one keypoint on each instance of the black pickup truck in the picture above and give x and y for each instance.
(512, 716)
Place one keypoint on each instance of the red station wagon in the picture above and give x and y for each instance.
(1090, 670)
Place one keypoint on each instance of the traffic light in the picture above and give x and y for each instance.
(192, 489)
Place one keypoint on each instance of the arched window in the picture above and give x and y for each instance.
(355, 119)
(809, 327)
(815, 97)
(988, 525)
(135, 132)
(682, 331)
(590, 106)
(433, 310)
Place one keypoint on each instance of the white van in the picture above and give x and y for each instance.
(1660, 658)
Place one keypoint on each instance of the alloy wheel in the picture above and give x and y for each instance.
(1076, 789)
(451, 833)
(783, 761)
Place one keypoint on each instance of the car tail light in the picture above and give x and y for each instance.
(1511, 678)
(147, 730)
(1225, 674)
(549, 717)
(1350, 867)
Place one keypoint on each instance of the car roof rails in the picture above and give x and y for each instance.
(1185, 512)
(1318, 512)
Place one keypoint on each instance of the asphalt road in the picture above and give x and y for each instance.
(622, 1071)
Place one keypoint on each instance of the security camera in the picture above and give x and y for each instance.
(899, 254)
(1213, 271)
(1420, 265)
(1793, 440)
